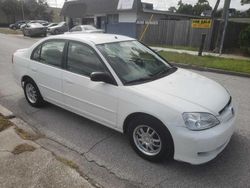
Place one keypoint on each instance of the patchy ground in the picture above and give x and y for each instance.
(26, 164)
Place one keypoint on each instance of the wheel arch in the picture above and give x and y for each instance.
(131, 116)
(141, 115)
(24, 78)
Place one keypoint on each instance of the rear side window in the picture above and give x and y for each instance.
(50, 53)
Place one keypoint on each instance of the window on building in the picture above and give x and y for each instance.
(113, 18)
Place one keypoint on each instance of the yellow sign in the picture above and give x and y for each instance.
(201, 23)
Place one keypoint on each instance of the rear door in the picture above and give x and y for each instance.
(46, 69)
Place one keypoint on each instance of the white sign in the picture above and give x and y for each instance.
(125, 4)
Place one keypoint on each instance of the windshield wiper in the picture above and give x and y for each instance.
(164, 72)
(159, 74)
(140, 80)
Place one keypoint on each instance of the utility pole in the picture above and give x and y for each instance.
(225, 16)
(22, 9)
(222, 27)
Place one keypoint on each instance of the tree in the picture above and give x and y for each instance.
(172, 9)
(243, 2)
(33, 10)
(184, 8)
(12, 9)
(201, 6)
(38, 10)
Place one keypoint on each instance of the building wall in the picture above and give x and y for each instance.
(127, 29)
(127, 17)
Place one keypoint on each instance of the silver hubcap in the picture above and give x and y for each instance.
(147, 140)
(31, 93)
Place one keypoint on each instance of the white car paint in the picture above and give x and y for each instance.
(166, 99)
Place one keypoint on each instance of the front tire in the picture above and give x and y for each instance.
(32, 94)
(150, 139)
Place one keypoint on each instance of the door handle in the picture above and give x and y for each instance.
(34, 69)
(69, 81)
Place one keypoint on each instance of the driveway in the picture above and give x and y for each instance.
(112, 150)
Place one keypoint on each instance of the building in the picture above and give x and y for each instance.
(116, 16)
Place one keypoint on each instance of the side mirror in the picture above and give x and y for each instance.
(102, 77)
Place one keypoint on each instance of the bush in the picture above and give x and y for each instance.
(245, 40)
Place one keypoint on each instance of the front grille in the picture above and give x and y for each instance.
(228, 103)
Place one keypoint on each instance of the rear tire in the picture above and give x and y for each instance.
(56, 32)
(150, 139)
(32, 94)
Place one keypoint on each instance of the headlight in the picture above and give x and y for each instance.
(197, 121)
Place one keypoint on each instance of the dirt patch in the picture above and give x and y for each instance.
(67, 162)
(4, 123)
(23, 148)
(27, 136)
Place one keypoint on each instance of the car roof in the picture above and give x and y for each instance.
(96, 38)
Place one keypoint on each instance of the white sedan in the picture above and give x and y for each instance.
(167, 112)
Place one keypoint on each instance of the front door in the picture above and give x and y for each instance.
(94, 100)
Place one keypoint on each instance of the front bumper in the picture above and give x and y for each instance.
(197, 147)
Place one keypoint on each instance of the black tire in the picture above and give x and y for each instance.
(39, 102)
(56, 32)
(167, 147)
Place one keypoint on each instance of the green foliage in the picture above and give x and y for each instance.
(245, 40)
(172, 9)
(12, 9)
(197, 9)
(201, 6)
(33, 10)
(245, 2)
(184, 8)
(235, 65)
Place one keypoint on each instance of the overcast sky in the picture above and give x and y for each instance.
(161, 4)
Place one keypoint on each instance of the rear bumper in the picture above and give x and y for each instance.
(197, 147)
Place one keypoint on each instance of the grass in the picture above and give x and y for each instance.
(23, 148)
(27, 136)
(177, 47)
(69, 163)
(4, 123)
(10, 31)
(234, 65)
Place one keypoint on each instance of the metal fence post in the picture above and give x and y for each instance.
(203, 38)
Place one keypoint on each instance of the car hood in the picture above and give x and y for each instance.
(188, 86)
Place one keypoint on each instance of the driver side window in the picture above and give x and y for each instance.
(83, 60)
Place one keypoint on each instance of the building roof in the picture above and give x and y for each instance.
(171, 14)
(94, 38)
(81, 8)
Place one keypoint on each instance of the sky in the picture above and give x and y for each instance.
(161, 4)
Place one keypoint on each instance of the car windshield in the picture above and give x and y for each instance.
(89, 27)
(133, 62)
(35, 25)
(61, 23)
